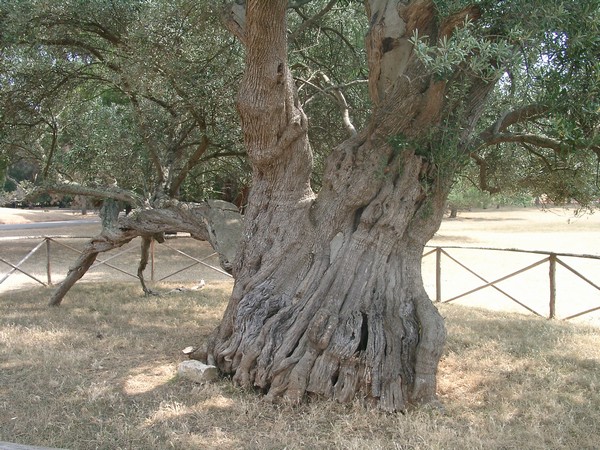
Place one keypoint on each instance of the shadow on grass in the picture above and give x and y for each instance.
(101, 369)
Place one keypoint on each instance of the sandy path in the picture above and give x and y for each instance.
(16, 215)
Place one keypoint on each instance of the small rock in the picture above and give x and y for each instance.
(200, 285)
(188, 350)
(197, 372)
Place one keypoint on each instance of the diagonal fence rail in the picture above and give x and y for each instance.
(55, 246)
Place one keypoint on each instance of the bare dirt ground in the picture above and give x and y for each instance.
(556, 230)
(550, 230)
(20, 216)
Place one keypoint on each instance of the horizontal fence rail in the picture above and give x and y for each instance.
(49, 247)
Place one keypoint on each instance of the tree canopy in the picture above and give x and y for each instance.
(102, 93)
(128, 93)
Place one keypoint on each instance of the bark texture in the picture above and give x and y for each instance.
(214, 221)
(329, 298)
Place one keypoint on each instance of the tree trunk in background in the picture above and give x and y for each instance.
(329, 298)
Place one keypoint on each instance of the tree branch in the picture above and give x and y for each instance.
(497, 132)
(539, 155)
(343, 104)
(154, 155)
(224, 154)
(82, 45)
(234, 18)
(525, 114)
(309, 22)
(507, 119)
(87, 191)
(53, 145)
(298, 3)
(453, 21)
(522, 138)
(483, 175)
(189, 165)
(325, 90)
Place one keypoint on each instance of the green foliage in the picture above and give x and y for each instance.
(465, 195)
(103, 92)
(4, 164)
(547, 54)
(464, 50)
(328, 57)
(440, 147)
(124, 93)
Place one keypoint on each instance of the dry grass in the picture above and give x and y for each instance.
(99, 373)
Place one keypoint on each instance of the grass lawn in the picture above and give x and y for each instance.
(100, 373)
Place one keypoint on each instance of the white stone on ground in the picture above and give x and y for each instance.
(197, 372)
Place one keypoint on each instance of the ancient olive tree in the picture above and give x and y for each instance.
(328, 298)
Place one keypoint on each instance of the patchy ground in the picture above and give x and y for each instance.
(100, 372)
(551, 229)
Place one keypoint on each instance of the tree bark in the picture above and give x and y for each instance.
(109, 214)
(348, 315)
(144, 256)
(329, 298)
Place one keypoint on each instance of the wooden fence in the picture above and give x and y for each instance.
(51, 245)
(550, 258)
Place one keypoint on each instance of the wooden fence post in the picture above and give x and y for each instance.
(438, 274)
(152, 260)
(552, 275)
(48, 262)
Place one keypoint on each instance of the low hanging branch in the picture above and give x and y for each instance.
(499, 133)
(215, 221)
(112, 192)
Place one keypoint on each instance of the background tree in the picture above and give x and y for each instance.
(348, 315)
(100, 96)
(123, 66)
(327, 54)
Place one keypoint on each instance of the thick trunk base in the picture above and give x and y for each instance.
(354, 324)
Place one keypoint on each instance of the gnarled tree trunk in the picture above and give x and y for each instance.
(329, 298)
